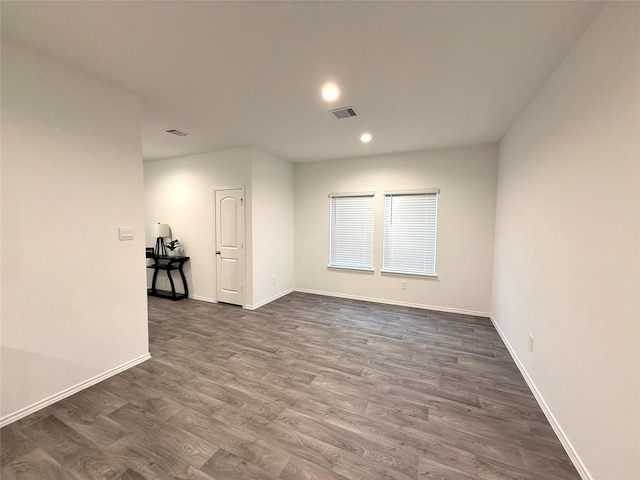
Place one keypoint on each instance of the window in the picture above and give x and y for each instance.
(409, 243)
(351, 231)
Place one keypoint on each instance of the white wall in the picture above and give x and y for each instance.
(272, 227)
(466, 178)
(179, 191)
(73, 296)
(567, 245)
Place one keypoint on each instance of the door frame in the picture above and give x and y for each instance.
(243, 254)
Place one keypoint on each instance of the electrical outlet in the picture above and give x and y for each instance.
(273, 280)
(530, 342)
(403, 285)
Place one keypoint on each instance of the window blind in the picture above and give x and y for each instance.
(410, 227)
(351, 232)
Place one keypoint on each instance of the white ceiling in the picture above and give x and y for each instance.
(422, 74)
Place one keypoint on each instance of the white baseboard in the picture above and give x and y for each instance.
(203, 299)
(247, 307)
(566, 443)
(396, 302)
(268, 300)
(23, 412)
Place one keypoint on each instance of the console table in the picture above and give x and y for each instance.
(168, 264)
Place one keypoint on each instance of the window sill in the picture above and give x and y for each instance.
(425, 275)
(353, 269)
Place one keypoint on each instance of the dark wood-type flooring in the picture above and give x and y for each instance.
(307, 387)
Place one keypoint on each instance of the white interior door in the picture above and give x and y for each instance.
(230, 256)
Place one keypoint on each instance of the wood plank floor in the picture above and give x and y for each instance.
(307, 387)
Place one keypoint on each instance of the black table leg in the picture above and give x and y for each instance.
(153, 282)
(173, 287)
(184, 281)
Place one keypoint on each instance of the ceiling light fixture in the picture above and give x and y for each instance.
(330, 92)
(365, 137)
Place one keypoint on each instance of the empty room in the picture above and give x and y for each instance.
(383, 240)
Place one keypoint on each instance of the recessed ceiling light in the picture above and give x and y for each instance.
(330, 92)
(365, 137)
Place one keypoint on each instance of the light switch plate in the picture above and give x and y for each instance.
(125, 233)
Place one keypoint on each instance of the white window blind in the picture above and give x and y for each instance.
(410, 224)
(351, 231)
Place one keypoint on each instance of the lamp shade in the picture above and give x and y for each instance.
(161, 230)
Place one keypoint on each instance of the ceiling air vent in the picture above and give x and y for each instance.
(177, 133)
(344, 112)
